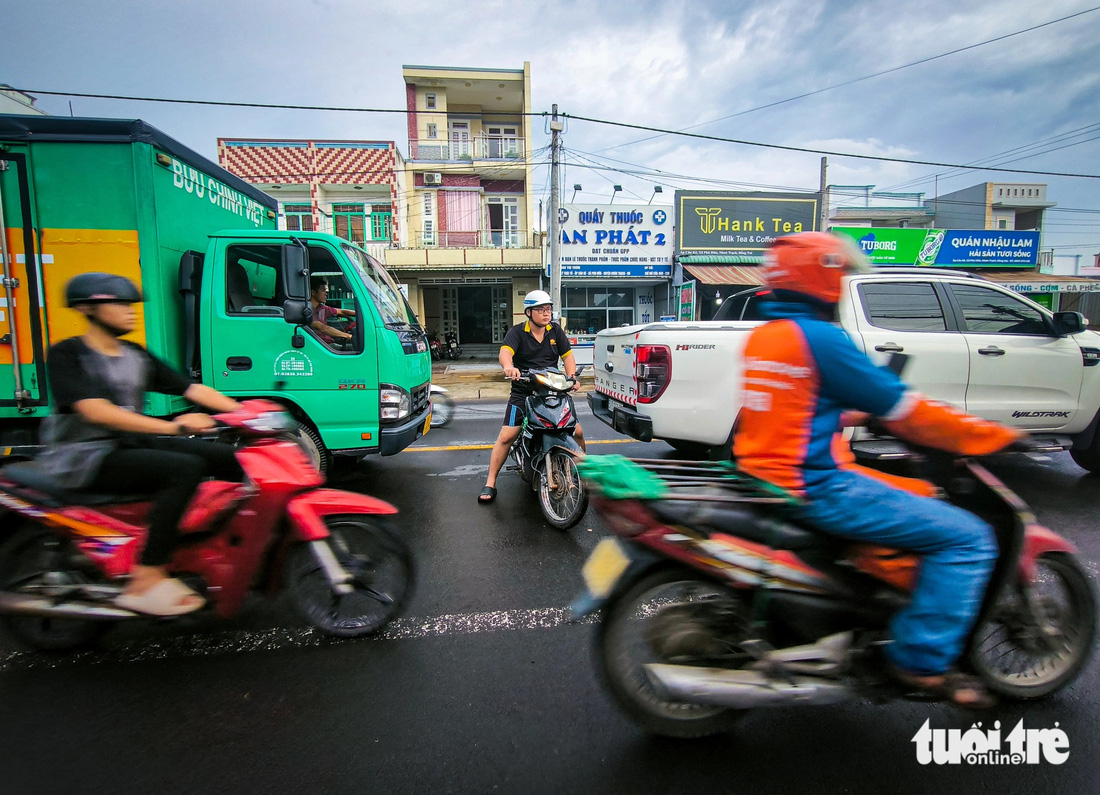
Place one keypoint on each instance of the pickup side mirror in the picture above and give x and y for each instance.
(294, 269)
(1067, 323)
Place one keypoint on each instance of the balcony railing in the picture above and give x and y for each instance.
(486, 238)
(482, 147)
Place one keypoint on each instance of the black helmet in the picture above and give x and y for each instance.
(101, 288)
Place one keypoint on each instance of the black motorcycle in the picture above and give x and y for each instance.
(451, 346)
(546, 453)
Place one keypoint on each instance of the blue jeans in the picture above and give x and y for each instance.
(958, 550)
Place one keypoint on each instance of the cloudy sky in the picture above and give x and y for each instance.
(1032, 99)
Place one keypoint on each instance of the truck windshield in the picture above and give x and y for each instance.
(391, 303)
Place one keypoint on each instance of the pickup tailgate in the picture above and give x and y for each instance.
(701, 398)
(613, 364)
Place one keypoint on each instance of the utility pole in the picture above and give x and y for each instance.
(556, 126)
(824, 195)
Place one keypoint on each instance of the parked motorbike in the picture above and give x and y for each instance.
(451, 346)
(714, 601)
(435, 347)
(68, 557)
(443, 407)
(546, 453)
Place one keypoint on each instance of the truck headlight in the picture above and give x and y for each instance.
(394, 403)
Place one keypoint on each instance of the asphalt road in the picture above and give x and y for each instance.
(481, 686)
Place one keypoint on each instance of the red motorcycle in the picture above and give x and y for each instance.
(68, 552)
(714, 600)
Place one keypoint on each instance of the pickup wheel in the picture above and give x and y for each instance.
(702, 452)
(1088, 457)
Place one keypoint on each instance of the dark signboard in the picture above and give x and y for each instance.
(723, 222)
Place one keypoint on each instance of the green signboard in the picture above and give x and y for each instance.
(687, 301)
(891, 246)
(945, 247)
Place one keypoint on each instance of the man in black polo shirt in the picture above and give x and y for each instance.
(536, 344)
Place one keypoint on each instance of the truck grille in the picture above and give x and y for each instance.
(420, 398)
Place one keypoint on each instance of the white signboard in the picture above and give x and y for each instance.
(615, 240)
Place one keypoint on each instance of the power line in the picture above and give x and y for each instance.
(807, 150)
(861, 79)
(626, 125)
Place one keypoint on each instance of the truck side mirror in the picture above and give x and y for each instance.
(1066, 323)
(295, 272)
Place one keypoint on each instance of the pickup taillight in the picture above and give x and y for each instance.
(653, 369)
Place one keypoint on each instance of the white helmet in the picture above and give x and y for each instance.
(536, 298)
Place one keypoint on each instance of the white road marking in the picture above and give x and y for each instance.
(221, 643)
(464, 471)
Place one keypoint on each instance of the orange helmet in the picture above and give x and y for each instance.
(812, 264)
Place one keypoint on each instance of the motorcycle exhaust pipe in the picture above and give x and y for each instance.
(741, 689)
(26, 605)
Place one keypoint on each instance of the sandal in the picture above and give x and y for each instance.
(953, 687)
(488, 494)
(168, 597)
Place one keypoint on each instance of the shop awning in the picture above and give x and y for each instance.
(725, 274)
(1032, 282)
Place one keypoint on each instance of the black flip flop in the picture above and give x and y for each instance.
(489, 492)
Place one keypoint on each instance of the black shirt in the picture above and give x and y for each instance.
(74, 448)
(530, 354)
(76, 372)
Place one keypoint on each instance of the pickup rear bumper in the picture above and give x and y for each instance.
(622, 418)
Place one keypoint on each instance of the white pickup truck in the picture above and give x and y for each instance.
(972, 343)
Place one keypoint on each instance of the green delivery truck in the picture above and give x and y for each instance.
(226, 292)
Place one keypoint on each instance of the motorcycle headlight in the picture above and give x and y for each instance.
(553, 380)
(394, 403)
(272, 422)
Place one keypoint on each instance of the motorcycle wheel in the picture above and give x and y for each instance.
(443, 409)
(565, 503)
(1021, 658)
(382, 568)
(669, 616)
(36, 557)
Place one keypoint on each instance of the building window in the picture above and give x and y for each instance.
(349, 222)
(428, 220)
(429, 101)
(588, 310)
(433, 130)
(381, 223)
(1002, 223)
(299, 217)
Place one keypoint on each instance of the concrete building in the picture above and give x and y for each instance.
(862, 205)
(992, 205)
(352, 189)
(472, 251)
(13, 100)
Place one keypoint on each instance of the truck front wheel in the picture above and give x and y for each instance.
(310, 442)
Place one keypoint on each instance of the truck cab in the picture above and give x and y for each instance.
(353, 397)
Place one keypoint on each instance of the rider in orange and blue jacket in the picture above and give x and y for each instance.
(801, 372)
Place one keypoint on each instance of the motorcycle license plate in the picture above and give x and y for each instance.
(454, 344)
(604, 567)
